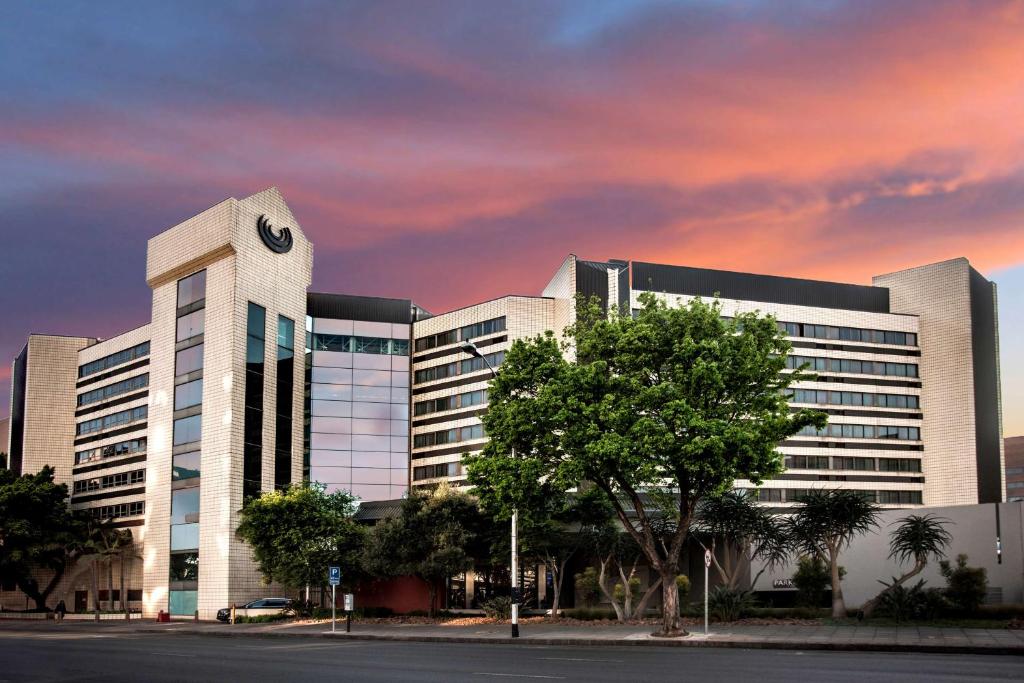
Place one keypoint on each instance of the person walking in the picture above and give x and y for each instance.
(60, 610)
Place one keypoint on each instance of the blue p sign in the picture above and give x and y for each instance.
(334, 575)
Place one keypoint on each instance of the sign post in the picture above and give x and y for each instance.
(707, 564)
(334, 578)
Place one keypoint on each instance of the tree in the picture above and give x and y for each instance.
(917, 537)
(738, 532)
(298, 532)
(825, 524)
(966, 587)
(37, 531)
(3, 460)
(677, 400)
(435, 536)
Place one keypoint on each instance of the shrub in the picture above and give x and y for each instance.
(965, 586)
(634, 590)
(917, 602)
(262, 618)
(683, 586)
(589, 614)
(498, 608)
(729, 604)
(811, 580)
(587, 585)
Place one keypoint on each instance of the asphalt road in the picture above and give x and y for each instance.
(28, 656)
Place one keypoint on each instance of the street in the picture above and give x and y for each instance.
(31, 655)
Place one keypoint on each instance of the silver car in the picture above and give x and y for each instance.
(256, 608)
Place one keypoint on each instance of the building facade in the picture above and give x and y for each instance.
(243, 382)
(1014, 447)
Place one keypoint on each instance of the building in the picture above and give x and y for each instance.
(242, 382)
(1014, 447)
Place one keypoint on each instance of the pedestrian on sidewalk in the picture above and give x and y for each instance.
(60, 610)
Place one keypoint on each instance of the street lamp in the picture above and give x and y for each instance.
(471, 348)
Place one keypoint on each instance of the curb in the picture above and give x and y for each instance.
(654, 642)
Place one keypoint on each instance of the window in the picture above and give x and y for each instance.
(185, 505)
(854, 366)
(132, 509)
(188, 394)
(445, 469)
(481, 329)
(252, 449)
(284, 403)
(188, 430)
(899, 465)
(807, 462)
(186, 465)
(853, 334)
(114, 359)
(849, 431)
(110, 481)
(113, 450)
(448, 436)
(183, 602)
(863, 464)
(114, 420)
(184, 567)
(437, 405)
(769, 495)
(350, 344)
(899, 497)
(112, 390)
(191, 325)
(192, 289)
(188, 360)
(435, 340)
(853, 398)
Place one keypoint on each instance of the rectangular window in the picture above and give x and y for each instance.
(285, 401)
(184, 567)
(112, 390)
(192, 289)
(183, 603)
(188, 430)
(185, 506)
(113, 420)
(188, 394)
(114, 359)
(186, 465)
(252, 460)
(188, 360)
(482, 329)
(191, 325)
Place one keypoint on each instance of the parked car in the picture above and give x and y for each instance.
(256, 608)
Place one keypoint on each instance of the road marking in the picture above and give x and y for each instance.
(576, 659)
(173, 654)
(484, 673)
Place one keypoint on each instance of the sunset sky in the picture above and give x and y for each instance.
(454, 151)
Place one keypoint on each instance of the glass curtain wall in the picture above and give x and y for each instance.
(187, 438)
(252, 464)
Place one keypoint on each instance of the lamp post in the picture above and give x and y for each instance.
(471, 348)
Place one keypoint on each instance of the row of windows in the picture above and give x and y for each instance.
(133, 509)
(283, 403)
(113, 359)
(437, 405)
(462, 367)
(252, 426)
(112, 390)
(111, 451)
(351, 344)
(444, 469)
(110, 481)
(123, 417)
(461, 334)
(821, 462)
(855, 398)
(844, 431)
(854, 334)
(861, 367)
(883, 497)
(448, 436)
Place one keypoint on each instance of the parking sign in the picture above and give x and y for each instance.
(334, 575)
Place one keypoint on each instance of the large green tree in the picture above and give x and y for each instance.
(37, 530)
(437, 535)
(297, 533)
(675, 401)
(825, 524)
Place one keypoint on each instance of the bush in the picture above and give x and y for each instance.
(683, 586)
(589, 614)
(588, 587)
(811, 580)
(498, 608)
(917, 602)
(262, 618)
(634, 590)
(729, 604)
(965, 586)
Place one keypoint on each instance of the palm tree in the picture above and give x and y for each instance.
(99, 539)
(917, 538)
(825, 524)
(126, 546)
(746, 531)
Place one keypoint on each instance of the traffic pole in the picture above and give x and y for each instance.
(707, 563)
(334, 605)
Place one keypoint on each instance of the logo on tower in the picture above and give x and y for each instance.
(280, 242)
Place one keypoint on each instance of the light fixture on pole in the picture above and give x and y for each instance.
(471, 348)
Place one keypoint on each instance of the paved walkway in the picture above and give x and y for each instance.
(782, 636)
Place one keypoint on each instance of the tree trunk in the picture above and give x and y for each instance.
(96, 588)
(838, 606)
(124, 602)
(671, 623)
(609, 593)
(110, 583)
(869, 607)
(557, 573)
(432, 591)
(641, 606)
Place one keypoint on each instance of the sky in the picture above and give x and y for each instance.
(452, 151)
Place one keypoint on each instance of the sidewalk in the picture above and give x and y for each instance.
(786, 637)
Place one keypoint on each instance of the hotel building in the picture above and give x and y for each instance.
(243, 381)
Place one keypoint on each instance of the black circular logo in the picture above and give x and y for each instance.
(280, 242)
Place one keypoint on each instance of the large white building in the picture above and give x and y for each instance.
(242, 381)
